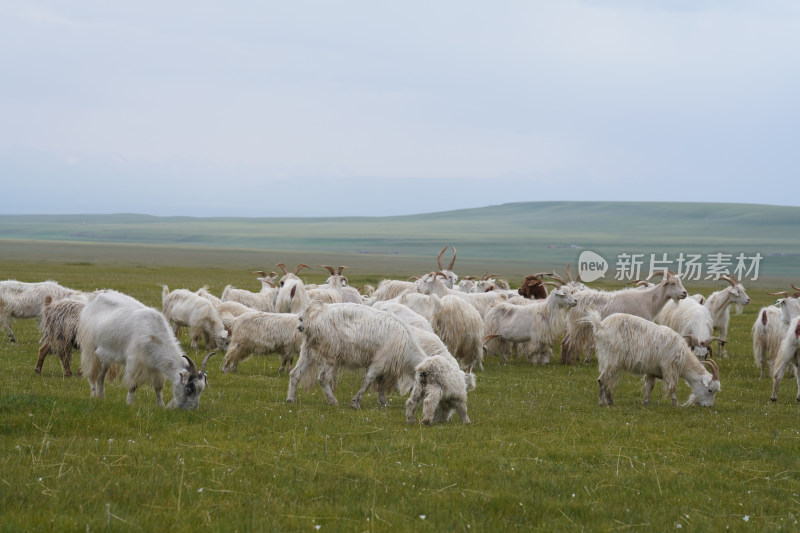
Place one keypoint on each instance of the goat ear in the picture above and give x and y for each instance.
(294, 289)
(184, 377)
(707, 379)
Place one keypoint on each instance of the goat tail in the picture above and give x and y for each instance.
(592, 318)
(164, 294)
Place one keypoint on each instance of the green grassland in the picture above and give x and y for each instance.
(540, 454)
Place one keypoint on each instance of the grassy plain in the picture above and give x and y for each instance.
(540, 454)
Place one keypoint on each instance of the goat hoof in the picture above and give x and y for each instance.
(38, 370)
(773, 399)
(289, 400)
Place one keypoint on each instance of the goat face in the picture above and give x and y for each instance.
(738, 297)
(564, 297)
(186, 393)
(675, 288)
(705, 391)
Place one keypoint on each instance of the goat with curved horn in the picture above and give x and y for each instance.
(329, 269)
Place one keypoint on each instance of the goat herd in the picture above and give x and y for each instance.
(424, 335)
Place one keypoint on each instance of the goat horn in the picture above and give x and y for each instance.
(328, 268)
(540, 274)
(554, 284)
(783, 294)
(729, 279)
(339, 270)
(437, 274)
(796, 295)
(795, 288)
(282, 267)
(453, 260)
(205, 361)
(487, 276)
(712, 339)
(439, 258)
(259, 272)
(554, 275)
(300, 266)
(657, 273)
(192, 366)
(714, 368)
(693, 340)
(569, 276)
(415, 278)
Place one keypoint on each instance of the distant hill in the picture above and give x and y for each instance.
(537, 233)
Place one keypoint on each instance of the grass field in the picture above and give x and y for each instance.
(539, 455)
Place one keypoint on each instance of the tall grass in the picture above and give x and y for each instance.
(540, 454)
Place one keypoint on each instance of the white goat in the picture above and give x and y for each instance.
(692, 320)
(770, 327)
(719, 305)
(260, 301)
(59, 327)
(441, 386)
(263, 333)
(340, 284)
(630, 343)
(355, 336)
(641, 302)
(788, 355)
(25, 300)
(404, 313)
(115, 329)
(185, 308)
(541, 322)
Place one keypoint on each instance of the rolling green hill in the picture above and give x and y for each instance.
(516, 236)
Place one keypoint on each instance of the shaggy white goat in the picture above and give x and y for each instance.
(692, 320)
(540, 322)
(719, 304)
(633, 344)
(59, 327)
(770, 327)
(441, 386)
(185, 308)
(25, 300)
(788, 355)
(355, 336)
(642, 302)
(263, 333)
(340, 284)
(115, 329)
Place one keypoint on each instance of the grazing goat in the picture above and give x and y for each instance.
(59, 327)
(355, 336)
(26, 300)
(719, 304)
(692, 320)
(788, 355)
(185, 308)
(115, 329)
(441, 386)
(633, 344)
(263, 333)
(642, 302)
(770, 328)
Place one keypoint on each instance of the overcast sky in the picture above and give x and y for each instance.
(381, 108)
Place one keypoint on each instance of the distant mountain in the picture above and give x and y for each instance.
(542, 233)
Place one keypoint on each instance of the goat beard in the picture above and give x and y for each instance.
(739, 308)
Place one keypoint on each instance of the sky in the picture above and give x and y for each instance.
(364, 108)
